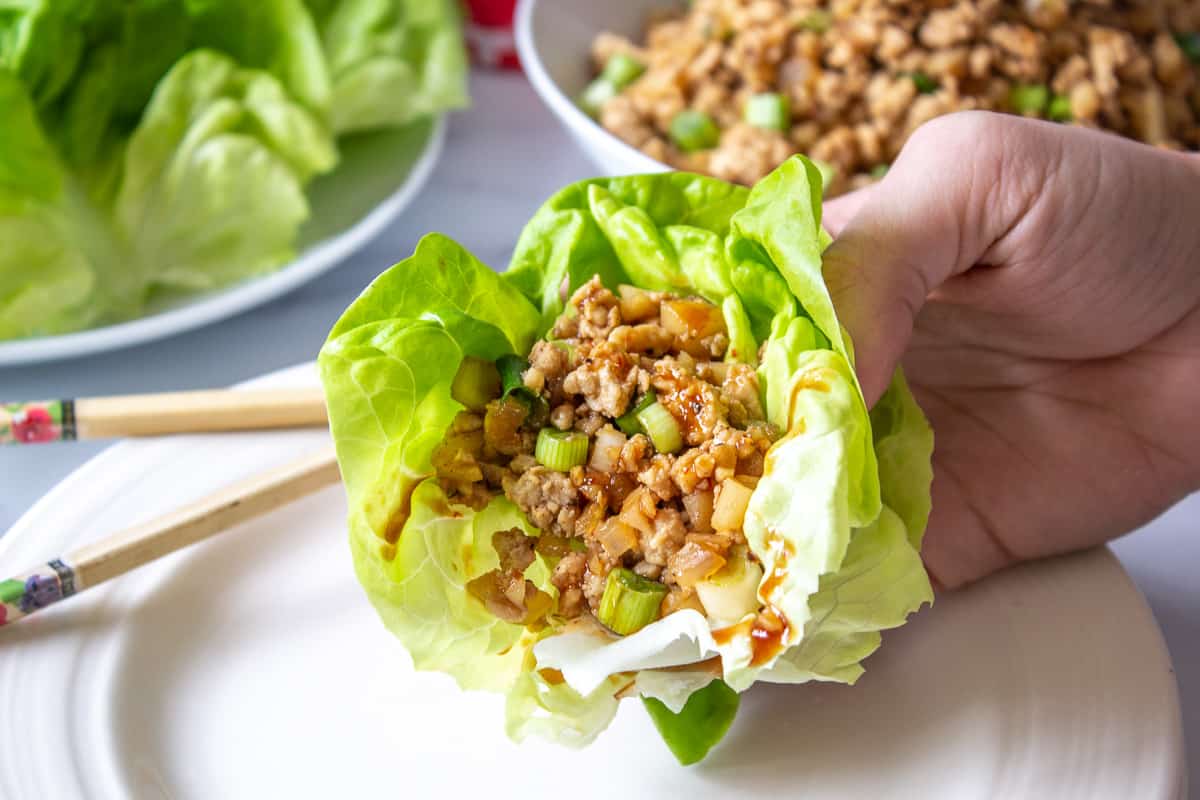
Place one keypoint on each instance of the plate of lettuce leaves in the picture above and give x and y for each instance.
(167, 163)
(625, 528)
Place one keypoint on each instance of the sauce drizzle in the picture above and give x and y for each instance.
(780, 552)
(768, 636)
(770, 631)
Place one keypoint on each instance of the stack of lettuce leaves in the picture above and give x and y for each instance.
(154, 146)
(836, 520)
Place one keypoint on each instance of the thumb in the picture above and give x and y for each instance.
(931, 218)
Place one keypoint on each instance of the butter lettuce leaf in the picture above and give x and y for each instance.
(278, 36)
(836, 519)
(52, 246)
(213, 186)
(42, 43)
(183, 135)
(696, 728)
(380, 49)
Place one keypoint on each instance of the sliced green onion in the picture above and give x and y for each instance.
(1029, 99)
(1189, 43)
(513, 385)
(661, 427)
(510, 368)
(816, 21)
(561, 450)
(577, 545)
(693, 130)
(628, 422)
(539, 409)
(768, 111)
(476, 383)
(924, 83)
(879, 170)
(597, 93)
(1060, 109)
(622, 70)
(630, 602)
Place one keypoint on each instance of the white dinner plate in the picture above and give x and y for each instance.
(252, 666)
(378, 176)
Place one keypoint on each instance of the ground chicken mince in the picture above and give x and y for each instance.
(847, 81)
(668, 441)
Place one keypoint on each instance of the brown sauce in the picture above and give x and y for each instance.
(688, 402)
(768, 636)
(552, 676)
(779, 552)
(442, 508)
(769, 631)
(399, 519)
(724, 636)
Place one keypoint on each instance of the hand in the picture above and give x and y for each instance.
(1042, 284)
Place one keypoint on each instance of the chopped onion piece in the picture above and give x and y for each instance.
(616, 537)
(693, 563)
(729, 511)
(732, 593)
(699, 506)
(607, 449)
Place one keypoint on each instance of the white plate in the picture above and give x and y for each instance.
(379, 175)
(554, 41)
(253, 667)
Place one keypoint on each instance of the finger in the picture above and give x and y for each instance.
(932, 217)
(841, 210)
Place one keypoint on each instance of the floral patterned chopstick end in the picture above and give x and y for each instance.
(20, 597)
(37, 422)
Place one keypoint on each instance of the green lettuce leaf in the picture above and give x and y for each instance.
(50, 244)
(183, 134)
(836, 519)
(380, 49)
(904, 449)
(555, 711)
(213, 184)
(879, 583)
(387, 368)
(696, 728)
(42, 42)
(278, 36)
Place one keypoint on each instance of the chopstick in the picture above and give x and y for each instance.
(129, 549)
(159, 414)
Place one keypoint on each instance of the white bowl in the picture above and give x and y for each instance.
(554, 41)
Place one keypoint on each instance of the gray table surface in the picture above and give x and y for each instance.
(503, 158)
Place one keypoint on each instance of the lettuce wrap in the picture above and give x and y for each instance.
(834, 522)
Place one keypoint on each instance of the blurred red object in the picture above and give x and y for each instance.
(490, 33)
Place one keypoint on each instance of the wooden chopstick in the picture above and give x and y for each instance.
(160, 414)
(129, 549)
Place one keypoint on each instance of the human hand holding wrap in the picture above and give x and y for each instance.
(1040, 285)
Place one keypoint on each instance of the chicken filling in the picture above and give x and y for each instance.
(633, 448)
